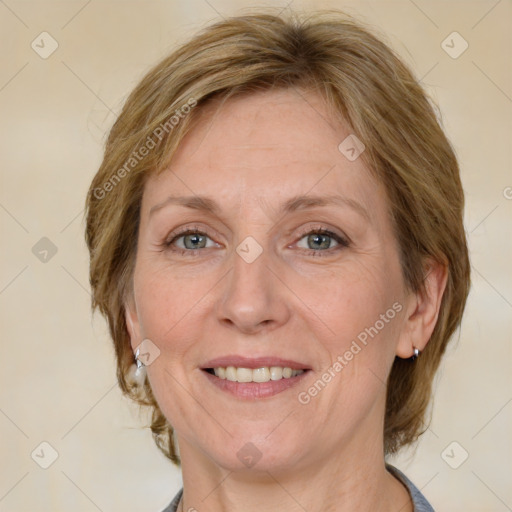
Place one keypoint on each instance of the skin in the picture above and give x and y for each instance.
(251, 154)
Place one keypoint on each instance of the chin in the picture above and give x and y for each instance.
(254, 453)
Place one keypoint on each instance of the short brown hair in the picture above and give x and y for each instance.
(366, 85)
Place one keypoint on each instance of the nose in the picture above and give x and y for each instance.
(254, 297)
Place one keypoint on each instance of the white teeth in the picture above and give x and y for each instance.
(231, 373)
(287, 373)
(244, 375)
(276, 373)
(263, 374)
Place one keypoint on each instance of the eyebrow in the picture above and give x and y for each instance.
(300, 202)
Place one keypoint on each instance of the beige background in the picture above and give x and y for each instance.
(57, 381)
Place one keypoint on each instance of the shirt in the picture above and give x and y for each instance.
(419, 501)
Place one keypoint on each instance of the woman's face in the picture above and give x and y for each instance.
(293, 264)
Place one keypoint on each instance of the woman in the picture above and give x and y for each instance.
(277, 242)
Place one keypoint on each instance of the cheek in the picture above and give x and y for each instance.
(169, 306)
(166, 299)
(350, 298)
(359, 307)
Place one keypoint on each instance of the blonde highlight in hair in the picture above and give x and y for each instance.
(365, 84)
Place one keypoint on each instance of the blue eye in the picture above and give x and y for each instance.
(192, 240)
(321, 240)
(317, 241)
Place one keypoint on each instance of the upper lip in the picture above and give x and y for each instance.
(254, 362)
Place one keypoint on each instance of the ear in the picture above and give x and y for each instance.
(132, 323)
(422, 311)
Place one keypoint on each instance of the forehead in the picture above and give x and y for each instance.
(264, 147)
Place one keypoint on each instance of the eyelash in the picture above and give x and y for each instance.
(342, 242)
(320, 230)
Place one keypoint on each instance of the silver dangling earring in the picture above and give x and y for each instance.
(416, 353)
(138, 371)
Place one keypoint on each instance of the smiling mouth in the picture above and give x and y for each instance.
(258, 375)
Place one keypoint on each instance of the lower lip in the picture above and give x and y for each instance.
(254, 390)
